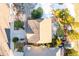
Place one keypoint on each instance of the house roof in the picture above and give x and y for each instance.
(4, 16)
(34, 29)
(41, 31)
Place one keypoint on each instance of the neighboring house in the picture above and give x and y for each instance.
(40, 31)
(4, 24)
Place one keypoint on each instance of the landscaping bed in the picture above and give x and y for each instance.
(71, 52)
(18, 45)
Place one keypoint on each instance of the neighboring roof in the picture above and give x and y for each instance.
(4, 16)
(4, 49)
(4, 23)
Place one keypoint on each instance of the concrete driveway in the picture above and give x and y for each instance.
(40, 51)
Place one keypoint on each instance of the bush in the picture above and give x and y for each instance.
(70, 52)
(48, 45)
(37, 13)
(19, 46)
(56, 42)
(60, 32)
(15, 39)
(18, 24)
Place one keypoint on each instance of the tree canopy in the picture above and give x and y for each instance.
(37, 13)
(60, 32)
(18, 24)
(73, 35)
(64, 16)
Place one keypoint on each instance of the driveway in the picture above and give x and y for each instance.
(40, 51)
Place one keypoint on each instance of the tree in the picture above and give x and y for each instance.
(18, 24)
(37, 13)
(60, 32)
(65, 19)
(64, 16)
(73, 35)
(56, 42)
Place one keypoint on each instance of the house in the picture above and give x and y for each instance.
(41, 31)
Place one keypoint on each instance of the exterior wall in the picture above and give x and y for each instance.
(45, 31)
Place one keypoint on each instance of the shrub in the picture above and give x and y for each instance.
(18, 24)
(56, 42)
(15, 39)
(37, 13)
(70, 52)
(48, 45)
(19, 46)
(60, 32)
